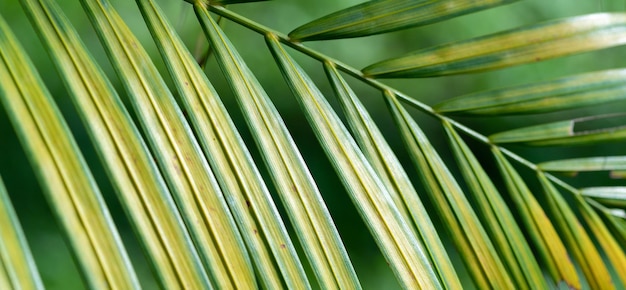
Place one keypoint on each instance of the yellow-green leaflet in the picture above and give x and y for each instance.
(231, 266)
(614, 196)
(281, 156)
(379, 16)
(392, 174)
(500, 223)
(297, 189)
(600, 163)
(139, 184)
(513, 47)
(17, 266)
(397, 241)
(542, 232)
(614, 253)
(576, 238)
(569, 132)
(222, 2)
(470, 237)
(177, 151)
(68, 184)
(617, 224)
(564, 93)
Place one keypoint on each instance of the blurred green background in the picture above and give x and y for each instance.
(47, 244)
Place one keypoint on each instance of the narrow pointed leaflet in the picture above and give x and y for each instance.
(576, 238)
(392, 174)
(544, 236)
(68, 184)
(533, 43)
(473, 244)
(138, 182)
(396, 240)
(17, 266)
(379, 16)
(571, 92)
(500, 223)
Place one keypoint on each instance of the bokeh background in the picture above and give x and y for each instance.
(52, 255)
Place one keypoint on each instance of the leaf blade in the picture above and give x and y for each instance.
(17, 266)
(542, 231)
(60, 167)
(395, 240)
(508, 237)
(576, 238)
(577, 91)
(476, 249)
(513, 47)
(382, 16)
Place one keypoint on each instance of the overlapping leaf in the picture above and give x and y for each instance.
(617, 224)
(396, 240)
(223, 146)
(576, 238)
(379, 16)
(289, 172)
(615, 254)
(304, 204)
(17, 266)
(392, 174)
(542, 232)
(58, 163)
(518, 46)
(467, 232)
(139, 184)
(550, 96)
(177, 151)
(499, 221)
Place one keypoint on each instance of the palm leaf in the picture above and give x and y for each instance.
(201, 202)
(71, 189)
(16, 261)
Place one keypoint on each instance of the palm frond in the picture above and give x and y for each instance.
(202, 203)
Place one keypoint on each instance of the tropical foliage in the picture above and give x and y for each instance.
(503, 188)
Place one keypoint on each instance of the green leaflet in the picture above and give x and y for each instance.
(614, 253)
(17, 266)
(139, 184)
(617, 224)
(280, 155)
(221, 2)
(290, 174)
(513, 47)
(397, 241)
(230, 265)
(500, 223)
(392, 174)
(379, 16)
(68, 184)
(470, 237)
(601, 163)
(609, 196)
(576, 238)
(542, 232)
(578, 91)
(569, 132)
(177, 152)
